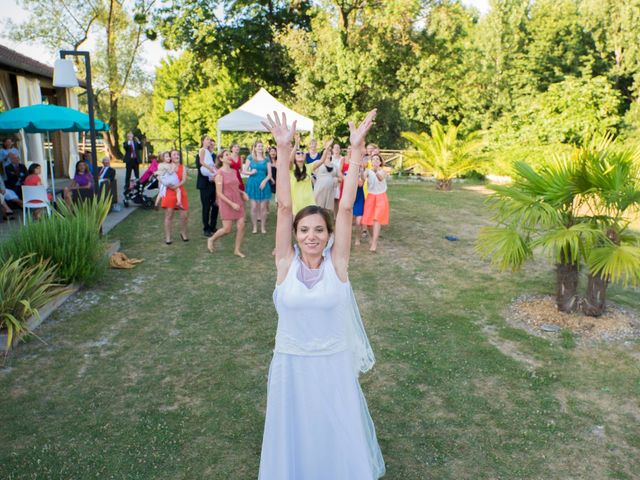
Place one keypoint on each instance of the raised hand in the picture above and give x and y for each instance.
(357, 135)
(328, 144)
(279, 129)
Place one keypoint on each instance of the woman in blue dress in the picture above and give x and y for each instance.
(258, 167)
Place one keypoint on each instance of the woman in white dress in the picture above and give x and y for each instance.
(317, 424)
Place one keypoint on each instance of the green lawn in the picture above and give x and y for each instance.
(160, 372)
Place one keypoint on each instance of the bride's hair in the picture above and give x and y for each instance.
(327, 215)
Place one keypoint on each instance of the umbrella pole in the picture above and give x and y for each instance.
(53, 181)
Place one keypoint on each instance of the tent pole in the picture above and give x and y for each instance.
(218, 144)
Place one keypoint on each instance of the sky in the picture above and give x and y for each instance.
(153, 51)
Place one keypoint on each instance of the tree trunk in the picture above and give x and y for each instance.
(593, 303)
(113, 135)
(444, 185)
(566, 287)
(112, 143)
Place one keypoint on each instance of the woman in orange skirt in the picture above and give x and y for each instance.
(170, 203)
(376, 205)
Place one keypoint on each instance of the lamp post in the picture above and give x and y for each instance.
(170, 107)
(64, 76)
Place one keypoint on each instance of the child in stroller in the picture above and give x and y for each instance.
(147, 181)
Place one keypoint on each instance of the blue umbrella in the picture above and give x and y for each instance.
(44, 118)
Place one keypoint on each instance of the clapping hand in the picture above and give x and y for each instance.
(358, 135)
(279, 129)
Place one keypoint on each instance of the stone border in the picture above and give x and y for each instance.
(34, 322)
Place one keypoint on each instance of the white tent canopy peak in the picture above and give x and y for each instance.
(250, 115)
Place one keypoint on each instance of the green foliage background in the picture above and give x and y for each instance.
(534, 76)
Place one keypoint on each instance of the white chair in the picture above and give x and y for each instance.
(34, 197)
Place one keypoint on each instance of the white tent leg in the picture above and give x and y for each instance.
(218, 144)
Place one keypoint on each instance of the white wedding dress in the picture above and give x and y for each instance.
(317, 423)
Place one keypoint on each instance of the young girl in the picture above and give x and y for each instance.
(207, 166)
(258, 167)
(82, 181)
(230, 201)
(376, 205)
(167, 174)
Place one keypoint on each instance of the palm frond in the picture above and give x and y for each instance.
(616, 262)
(506, 247)
(568, 245)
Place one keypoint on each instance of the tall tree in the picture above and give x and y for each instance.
(240, 33)
(120, 31)
(614, 25)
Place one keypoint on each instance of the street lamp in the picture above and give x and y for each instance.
(64, 76)
(169, 107)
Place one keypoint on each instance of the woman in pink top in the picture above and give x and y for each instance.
(231, 201)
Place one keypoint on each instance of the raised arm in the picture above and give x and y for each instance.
(342, 241)
(284, 225)
(296, 147)
(325, 155)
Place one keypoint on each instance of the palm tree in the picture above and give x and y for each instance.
(443, 153)
(577, 208)
(609, 181)
(539, 209)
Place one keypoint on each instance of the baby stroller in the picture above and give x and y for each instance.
(136, 192)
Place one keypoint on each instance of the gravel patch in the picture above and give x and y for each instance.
(540, 316)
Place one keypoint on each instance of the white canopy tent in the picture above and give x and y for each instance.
(248, 117)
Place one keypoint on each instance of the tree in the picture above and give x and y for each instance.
(609, 181)
(577, 209)
(207, 91)
(443, 153)
(120, 34)
(559, 46)
(242, 37)
(440, 76)
(539, 209)
(614, 26)
(570, 111)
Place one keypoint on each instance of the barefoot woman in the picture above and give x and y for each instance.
(230, 201)
(317, 423)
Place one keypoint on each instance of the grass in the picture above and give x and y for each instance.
(160, 372)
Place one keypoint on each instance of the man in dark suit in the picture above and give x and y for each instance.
(16, 172)
(132, 153)
(107, 178)
(208, 199)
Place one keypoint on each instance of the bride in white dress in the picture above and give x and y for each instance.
(317, 423)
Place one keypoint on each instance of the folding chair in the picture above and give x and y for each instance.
(34, 197)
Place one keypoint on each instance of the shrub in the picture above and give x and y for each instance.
(25, 287)
(70, 238)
